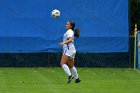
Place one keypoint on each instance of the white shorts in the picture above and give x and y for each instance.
(70, 53)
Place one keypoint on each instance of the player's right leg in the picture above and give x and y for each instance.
(63, 64)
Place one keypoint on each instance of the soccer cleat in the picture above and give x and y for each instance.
(77, 80)
(70, 78)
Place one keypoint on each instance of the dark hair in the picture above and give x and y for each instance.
(76, 30)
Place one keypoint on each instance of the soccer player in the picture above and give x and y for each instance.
(69, 51)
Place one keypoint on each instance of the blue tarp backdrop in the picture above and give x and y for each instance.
(26, 26)
(138, 50)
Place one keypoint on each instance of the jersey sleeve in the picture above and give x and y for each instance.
(70, 33)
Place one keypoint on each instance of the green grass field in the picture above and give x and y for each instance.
(53, 80)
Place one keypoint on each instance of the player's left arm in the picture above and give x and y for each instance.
(66, 42)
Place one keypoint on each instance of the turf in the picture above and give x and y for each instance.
(53, 80)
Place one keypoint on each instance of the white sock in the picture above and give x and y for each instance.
(74, 72)
(66, 69)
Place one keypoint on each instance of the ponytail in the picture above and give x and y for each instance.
(76, 32)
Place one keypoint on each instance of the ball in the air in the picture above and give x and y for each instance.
(55, 13)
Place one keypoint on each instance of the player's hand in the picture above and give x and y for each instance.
(61, 44)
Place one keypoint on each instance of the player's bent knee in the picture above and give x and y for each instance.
(61, 63)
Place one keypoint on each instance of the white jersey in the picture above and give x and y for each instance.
(69, 46)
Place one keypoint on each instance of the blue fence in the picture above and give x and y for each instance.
(26, 26)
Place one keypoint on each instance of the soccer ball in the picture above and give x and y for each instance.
(55, 13)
